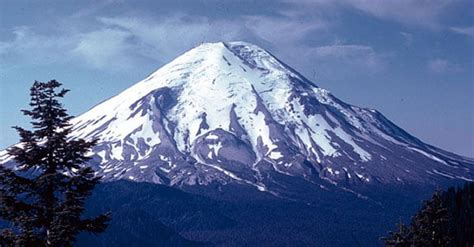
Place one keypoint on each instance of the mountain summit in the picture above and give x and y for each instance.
(233, 113)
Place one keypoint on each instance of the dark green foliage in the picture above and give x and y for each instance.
(401, 238)
(430, 225)
(447, 219)
(43, 197)
(246, 217)
(460, 205)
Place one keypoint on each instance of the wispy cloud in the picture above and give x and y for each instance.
(31, 47)
(439, 65)
(359, 55)
(412, 12)
(166, 38)
(408, 37)
(469, 31)
(408, 12)
(290, 29)
(104, 47)
(108, 49)
(118, 43)
(122, 42)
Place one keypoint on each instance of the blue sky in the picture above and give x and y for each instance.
(410, 59)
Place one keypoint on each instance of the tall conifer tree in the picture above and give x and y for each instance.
(430, 225)
(43, 196)
(400, 238)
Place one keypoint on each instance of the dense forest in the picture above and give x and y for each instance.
(447, 219)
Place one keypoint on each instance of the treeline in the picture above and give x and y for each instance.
(447, 219)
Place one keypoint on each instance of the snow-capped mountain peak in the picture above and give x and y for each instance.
(232, 112)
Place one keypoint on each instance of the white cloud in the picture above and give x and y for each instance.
(359, 55)
(104, 47)
(164, 39)
(411, 12)
(439, 65)
(169, 37)
(414, 12)
(99, 49)
(408, 37)
(469, 31)
(123, 43)
(34, 48)
(343, 51)
(289, 29)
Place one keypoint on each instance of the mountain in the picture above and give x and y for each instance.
(234, 113)
(227, 145)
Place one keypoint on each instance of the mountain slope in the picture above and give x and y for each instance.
(147, 214)
(139, 211)
(233, 113)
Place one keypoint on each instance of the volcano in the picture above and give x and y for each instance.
(233, 115)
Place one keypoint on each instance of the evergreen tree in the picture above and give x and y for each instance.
(400, 238)
(447, 219)
(43, 197)
(430, 225)
(460, 204)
